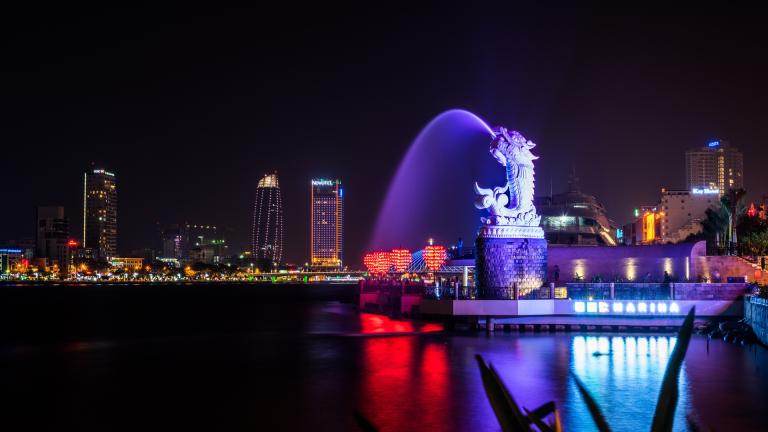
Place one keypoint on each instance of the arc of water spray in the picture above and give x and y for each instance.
(410, 154)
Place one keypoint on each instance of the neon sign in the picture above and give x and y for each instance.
(705, 191)
(712, 144)
(322, 182)
(627, 307)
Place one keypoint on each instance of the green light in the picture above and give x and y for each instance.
(637, 212)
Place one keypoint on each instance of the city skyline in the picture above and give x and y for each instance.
(190, 142)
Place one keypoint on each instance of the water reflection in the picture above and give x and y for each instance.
(624, 375)
(329, 360)
(432, 383)
(373, 324)
(406, 383)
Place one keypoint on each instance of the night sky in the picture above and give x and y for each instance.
(190, 112)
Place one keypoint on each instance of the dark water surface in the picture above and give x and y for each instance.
(308, 365)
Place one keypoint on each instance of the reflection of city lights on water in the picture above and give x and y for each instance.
(627, 372)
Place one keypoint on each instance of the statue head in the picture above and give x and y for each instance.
(511, 145)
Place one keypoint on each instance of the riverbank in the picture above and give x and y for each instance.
(756, 314)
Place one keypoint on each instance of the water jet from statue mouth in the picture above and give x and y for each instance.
(428, 194)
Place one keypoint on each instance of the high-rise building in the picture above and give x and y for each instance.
(100, 213)
(172, 241)
(267, 235)
(718, 166)
(52, 237)
(327, 224)
(682, 212)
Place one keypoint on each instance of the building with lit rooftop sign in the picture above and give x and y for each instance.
(716, 167)
(327, 224)
(100, 213)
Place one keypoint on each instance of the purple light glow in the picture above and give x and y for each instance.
(431, 194)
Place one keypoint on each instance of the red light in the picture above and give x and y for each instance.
(377, 262)
(72, 243)
(400, 259)
(752, 212)
(434, 256)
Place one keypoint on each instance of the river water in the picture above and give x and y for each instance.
(311, 366)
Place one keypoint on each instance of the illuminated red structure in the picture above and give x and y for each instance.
(400, 259)
(434, 256)
(377, 262)
(752, 212)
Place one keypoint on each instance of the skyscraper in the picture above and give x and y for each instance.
(172, 241)
(52, 235)
(100, 213)
(718, 166)
(327, 224)
(267, 236)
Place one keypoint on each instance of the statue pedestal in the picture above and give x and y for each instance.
(510, 261)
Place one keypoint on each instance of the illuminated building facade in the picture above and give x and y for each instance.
(10, 258)
(267, 232)
(718, 166)
(575, 218)
(682, 212)
(52, 237)
(100, 213)
(645, 229)
(128, 264)
(327, 224)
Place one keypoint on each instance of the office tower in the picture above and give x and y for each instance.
(172, 241)
(718, 166)
(52, 236)
(327, 224)
(267, 234)
(100, 213)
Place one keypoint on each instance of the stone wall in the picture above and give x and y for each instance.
(725, 266)
(756, 313)
(709, 291)
(506, 262)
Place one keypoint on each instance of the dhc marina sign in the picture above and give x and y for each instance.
(627, 307)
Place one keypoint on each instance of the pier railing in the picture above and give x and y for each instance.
(596, 291)
(474, 293)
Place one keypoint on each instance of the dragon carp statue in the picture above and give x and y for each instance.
(511, 259)
(511, 204)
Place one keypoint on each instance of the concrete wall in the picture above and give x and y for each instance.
(629, 263)
(756, 312)
(658, 291)
(498, 308)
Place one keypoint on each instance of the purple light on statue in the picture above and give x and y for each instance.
(428, 196)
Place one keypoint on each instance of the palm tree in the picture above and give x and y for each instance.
(721, 221)
(732, 201)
